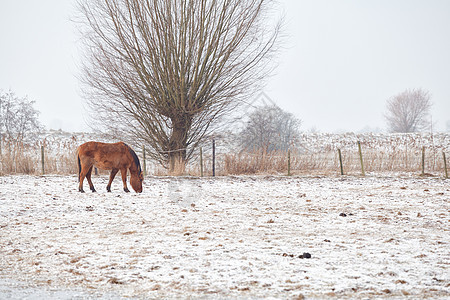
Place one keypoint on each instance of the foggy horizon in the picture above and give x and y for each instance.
(340, 62)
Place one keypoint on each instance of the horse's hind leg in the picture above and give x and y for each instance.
(111, 178)
(80, 184)
(88, 177)
(123, 172)
(83, 172)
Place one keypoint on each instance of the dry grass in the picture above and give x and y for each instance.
(326, 162)
(254, 163)
(394, 154)
(27, 159)
(19, 163)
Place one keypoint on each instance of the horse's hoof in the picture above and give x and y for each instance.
(93, 190)
(126, 190)
(81, 190)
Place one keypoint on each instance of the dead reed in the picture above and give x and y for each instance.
(317, 155)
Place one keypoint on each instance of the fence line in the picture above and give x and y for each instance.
(218, 162)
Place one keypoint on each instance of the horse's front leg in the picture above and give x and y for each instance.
(123, 172)
(111, 178)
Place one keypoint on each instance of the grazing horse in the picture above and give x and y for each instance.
(114, 157)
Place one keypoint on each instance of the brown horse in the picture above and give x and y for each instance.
(114, 157)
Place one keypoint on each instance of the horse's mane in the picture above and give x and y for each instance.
(135, 158)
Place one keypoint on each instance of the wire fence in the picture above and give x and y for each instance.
(317, 154)
(349, 162)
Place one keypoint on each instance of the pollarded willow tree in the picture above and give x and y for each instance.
(164, 72)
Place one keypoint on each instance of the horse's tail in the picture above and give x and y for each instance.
(79, 166)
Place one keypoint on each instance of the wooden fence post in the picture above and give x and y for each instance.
(406, 155)
(42, 160)
(340, 162)
(445, 165)
(144, 163)
(213, 158)
(289, 162)
(201, 162)
(423, 161)
(361, 159)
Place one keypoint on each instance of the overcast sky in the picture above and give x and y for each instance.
(342, 60)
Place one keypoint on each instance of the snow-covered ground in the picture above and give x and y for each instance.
(226, 237)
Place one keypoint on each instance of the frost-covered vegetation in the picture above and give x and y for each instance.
(314, 153)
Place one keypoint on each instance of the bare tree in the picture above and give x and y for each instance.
(409, 111)
(163, 72)
(19, 122)
(270, 128)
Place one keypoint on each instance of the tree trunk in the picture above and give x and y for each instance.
(177, 163)
(178, 145)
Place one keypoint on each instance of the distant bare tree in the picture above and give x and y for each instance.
(409, 111)
(270, 128)
(162, 73)
(19, 122)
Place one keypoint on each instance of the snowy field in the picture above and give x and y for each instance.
(226, 237)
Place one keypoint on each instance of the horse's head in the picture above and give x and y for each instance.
(136, 181)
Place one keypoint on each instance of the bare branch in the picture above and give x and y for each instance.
(163, 73)
(409, 111)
